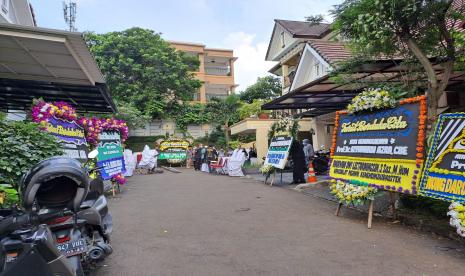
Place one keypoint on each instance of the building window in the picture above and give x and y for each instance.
(317, 69)
(196, 96)
(5, 6)
(283, 43)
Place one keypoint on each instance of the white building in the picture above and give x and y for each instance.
(306, 52)
(18, 12)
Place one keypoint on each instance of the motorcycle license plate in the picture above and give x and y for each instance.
(72, 248)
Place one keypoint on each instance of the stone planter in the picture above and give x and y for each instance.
(250, 170)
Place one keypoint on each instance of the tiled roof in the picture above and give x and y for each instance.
(331, 51)
(304, 29)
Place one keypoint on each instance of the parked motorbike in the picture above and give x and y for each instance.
(321, 162)
(27, 246)
(52, 186)
(98, 225)
(92, 221)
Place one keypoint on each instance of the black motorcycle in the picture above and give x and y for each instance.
(321, 162)
(27, 246)
(92, 221)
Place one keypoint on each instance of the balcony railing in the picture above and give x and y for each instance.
(217, 71)
(218, 96)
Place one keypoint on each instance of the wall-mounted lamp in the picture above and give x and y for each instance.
(312, 131)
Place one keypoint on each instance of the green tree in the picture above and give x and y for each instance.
(253, 109)
(266, 88)
(224, 112)
(143, 71)
(187, 113)
(416, 30)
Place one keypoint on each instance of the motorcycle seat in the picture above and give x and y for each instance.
(87, 203)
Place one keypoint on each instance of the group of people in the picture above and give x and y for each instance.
(201, 156)
(301, 156)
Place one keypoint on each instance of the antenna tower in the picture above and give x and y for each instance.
(69, 12)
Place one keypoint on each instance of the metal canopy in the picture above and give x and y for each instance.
(51, 64)
(18, 95)
(325, 95)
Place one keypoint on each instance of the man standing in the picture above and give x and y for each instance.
(198, 157)
(308, 151)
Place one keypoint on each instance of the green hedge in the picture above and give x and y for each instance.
(420, 204)
(22, 145)
(137, 143)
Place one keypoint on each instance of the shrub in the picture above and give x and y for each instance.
(22, 145)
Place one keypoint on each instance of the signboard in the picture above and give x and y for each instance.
(71, 136)
(173, 155)
(110, 154)
(379, 148)
(278, 152)
(174, 144)
(444, 174)
(173, 150)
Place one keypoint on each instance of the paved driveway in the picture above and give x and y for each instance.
(193, 223)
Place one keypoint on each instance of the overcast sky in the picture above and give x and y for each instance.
(242, 25)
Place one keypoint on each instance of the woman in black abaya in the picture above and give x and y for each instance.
(298, 158)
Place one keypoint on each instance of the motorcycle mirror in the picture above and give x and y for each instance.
(92, 154)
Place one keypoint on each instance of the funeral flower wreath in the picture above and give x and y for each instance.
(457, 217)
(267, 169)
(371, 99)
(42, 111)
(349, 194)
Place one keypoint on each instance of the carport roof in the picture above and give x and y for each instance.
(325, 95)
(52, 64)
(19, 94)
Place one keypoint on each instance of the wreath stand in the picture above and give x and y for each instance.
(370, 208)
(274, 176)
(115, 187)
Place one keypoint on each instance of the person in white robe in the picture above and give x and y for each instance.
(235, 162)
(149, 158)
(130, 161)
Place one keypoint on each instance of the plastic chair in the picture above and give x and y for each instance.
(219, 166)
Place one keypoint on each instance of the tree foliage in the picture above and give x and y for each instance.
(143, 71)
(224, 112)
(415, 30)
(253, 109)
(266, 88)
(187, 114)
(286, 125)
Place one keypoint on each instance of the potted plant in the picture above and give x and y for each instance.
(254, 110)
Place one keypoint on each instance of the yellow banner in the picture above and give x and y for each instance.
(390, 174)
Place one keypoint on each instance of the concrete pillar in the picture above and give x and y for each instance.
(231, 67)
(285, 70)
(261, 138)
(203, 92)
(321, 137)
(202, 63)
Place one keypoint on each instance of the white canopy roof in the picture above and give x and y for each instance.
(32, 53)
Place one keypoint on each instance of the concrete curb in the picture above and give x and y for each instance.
(320, 183)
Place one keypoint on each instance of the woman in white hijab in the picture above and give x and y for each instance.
(149, 160)
(236, 161)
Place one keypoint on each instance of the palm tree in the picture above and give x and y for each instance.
(225, 112)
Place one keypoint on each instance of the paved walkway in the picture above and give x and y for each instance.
(193, 223)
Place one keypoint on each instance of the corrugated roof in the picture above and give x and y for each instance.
(331, 51)
(304, 29)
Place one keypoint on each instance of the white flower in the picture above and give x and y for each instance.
(45, 107)
(453, 213)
